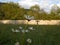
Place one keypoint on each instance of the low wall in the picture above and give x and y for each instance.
(40, 22)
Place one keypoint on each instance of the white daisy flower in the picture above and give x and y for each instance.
(20, 27)
(17, 43)
(13, 30)
(17, 30)
(26, 30)
(29, 40)
(23, 31)
(31, 28)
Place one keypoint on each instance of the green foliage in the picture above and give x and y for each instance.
(35, 8)
(15, 12)
(12, 11)
(42, 35)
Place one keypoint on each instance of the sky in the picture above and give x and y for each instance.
(45, 4)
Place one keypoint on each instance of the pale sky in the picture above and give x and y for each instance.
(45, 4)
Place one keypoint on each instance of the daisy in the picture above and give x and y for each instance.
(20, 27)
(13, 30)
(23, 31)
(17, 30)
(29, 40)
(26, 30)
(17, 43)
(31, 28)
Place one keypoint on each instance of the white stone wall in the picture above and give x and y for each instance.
(51, 22)
(41, 22)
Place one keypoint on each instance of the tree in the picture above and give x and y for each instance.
(12, 11)
(54, 14)
(35, 8)
(54, 9)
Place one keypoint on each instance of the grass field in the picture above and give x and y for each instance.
(41, 35)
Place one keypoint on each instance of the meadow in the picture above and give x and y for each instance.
(38, 34)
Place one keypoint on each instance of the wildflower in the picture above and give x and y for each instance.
(17, 30)
(31, 28)
(17, 43)
(23, 31)
(20, 27)
(26, 30)
(13, 30)
(29, 40)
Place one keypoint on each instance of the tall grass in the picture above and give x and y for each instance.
(42, 35)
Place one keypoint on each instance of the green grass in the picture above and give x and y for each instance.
(42, 35)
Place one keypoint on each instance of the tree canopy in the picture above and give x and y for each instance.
(16, 12)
